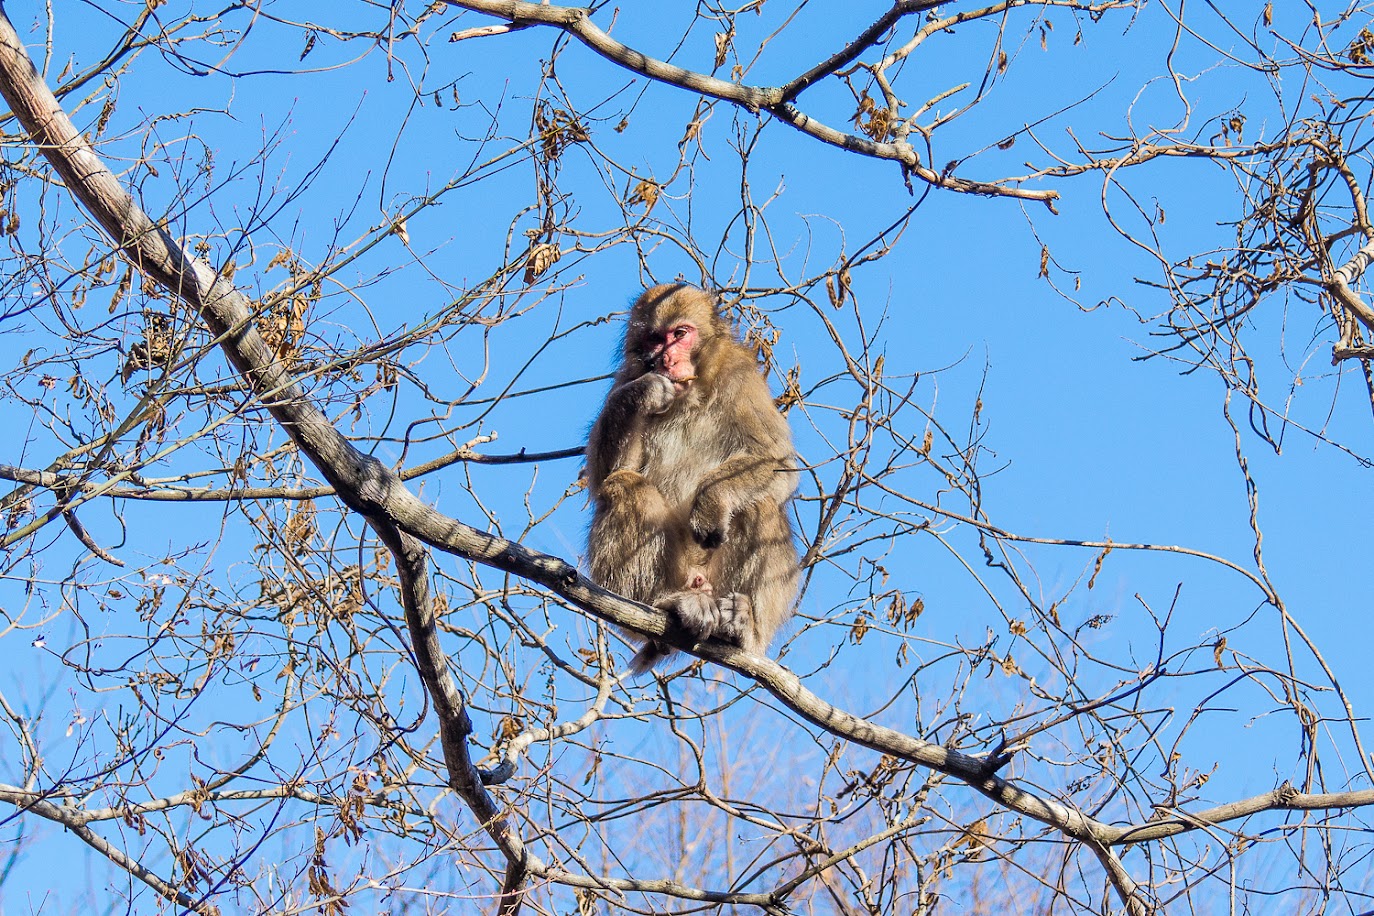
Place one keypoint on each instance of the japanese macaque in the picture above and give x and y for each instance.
(690, 468)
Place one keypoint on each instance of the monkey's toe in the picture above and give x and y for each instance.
(696, 612)
(734, 619)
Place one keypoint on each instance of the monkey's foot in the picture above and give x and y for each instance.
(696, 611)
(700, 613)
(734, 618)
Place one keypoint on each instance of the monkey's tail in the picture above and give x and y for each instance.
(647, 657)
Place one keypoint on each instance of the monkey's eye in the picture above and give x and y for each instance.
(679, 333)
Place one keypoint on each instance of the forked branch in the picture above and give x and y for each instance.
(777, 102)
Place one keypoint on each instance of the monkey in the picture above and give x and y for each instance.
(690, 469)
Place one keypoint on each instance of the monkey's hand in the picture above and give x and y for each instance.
(708, 520)
(651, 393)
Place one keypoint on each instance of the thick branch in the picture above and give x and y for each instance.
(1339, 285)
(1284, 798)
(455, 726)
(576, 22)
(1136, 904)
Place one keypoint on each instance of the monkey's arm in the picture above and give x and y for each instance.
(615, 438)
(763, 468)
(739, 482)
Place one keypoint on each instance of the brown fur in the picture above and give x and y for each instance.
(690, 481)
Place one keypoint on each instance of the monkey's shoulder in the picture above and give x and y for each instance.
(743, 399)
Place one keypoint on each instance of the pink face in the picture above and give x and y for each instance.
(670, 352)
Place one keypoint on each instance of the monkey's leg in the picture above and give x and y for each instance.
(629, 548)
(757, 579)
(629, 536)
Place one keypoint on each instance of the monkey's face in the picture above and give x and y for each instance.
(668, 351)
(671, 327)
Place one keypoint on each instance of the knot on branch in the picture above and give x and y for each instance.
(1000, 756)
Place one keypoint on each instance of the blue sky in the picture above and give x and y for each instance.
(1079, 439)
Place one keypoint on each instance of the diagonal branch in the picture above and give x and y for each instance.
(866, 39)
(359, 479)
(1339, 286)
(71, 820)
(455, 726)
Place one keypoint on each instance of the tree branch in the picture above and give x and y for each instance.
(402, 520)
(71, 819)
(774, 101)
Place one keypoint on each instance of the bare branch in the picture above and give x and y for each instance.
(776, 102)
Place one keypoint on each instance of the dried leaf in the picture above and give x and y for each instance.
(646, 192)
(896, 610)
(691, 133)
(540, 258)
(791, 390)
(975, 835)
(1097, 567)
(859, 629)
(557, 130)
(509, 727)
(837, 287)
